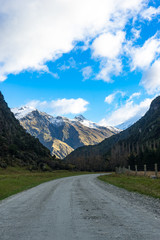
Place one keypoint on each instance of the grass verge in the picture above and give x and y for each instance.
(143, 185)
(14, 180)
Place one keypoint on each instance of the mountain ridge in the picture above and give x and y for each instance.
(51, 130)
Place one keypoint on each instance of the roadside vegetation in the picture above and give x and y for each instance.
(14, 179)
(140, 184)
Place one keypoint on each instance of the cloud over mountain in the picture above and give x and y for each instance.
(61, 106)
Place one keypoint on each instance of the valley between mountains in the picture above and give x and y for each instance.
(82, 144)
(79, 207)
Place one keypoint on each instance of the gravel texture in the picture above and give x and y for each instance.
(79, 208)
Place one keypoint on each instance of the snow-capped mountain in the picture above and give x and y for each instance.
(85, 122)
(59, 120)
(22, 111)
(90, 124)
(60, 134)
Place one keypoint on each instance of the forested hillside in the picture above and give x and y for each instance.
(18, 147)
(138, 144)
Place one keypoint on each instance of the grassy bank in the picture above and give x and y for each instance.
(14, 180)
(143, 185)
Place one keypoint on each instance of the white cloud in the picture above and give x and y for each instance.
(137, 94)
(110, 98)
(136, 33)
(147, 59)
(150, 13)
(34, 32)
(61, 106)
(151, 78)
(109, 67)
(142, 57)
(71, 63)
(37, 103)
(126, 112)
(87, 72)
(66, 106)
(108, 45)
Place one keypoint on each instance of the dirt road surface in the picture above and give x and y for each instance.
(79, 208)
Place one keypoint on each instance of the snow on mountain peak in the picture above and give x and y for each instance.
(22, 111)
(59, 120)
(80, 117)
(85, 122)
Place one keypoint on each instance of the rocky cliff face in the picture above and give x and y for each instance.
(59, 134)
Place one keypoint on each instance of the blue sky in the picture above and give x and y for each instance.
(98, 58)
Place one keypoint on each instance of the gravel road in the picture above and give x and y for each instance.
(79, 208)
